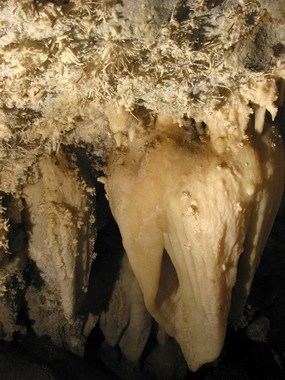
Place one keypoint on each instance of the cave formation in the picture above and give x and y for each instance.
(142, 170)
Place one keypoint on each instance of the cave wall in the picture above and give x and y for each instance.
(176, 108)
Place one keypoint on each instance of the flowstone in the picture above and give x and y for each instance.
(177, 108)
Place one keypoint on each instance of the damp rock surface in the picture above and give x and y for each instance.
(173, 112)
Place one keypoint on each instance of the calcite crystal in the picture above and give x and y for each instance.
(176, 106)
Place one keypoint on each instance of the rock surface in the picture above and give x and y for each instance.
(87, 88)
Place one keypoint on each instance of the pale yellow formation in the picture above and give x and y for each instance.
(61, 245)
(192, 216)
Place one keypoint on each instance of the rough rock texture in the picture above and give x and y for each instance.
(84, 86)
(62, 62)
(61, 243)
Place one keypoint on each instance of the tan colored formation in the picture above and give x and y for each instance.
(193, 220)
(61, 243)
(175, 106)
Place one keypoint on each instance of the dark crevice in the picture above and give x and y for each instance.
(105, 268)
(92, 350)
(168, 282)
(150, 344)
